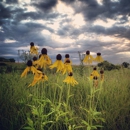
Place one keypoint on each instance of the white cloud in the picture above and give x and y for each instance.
(10, 41)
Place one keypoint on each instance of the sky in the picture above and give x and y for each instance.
(66, 27)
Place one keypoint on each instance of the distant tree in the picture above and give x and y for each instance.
(108, 66)
(12, 60)
(125, 64)
(24, 56)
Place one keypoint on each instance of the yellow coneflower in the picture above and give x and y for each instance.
(38, 77)
(95, 72)
(58, 63)
(67, 67)
(98, 58)
(29, 67)
(67, 57)
(102, 75)
(44, 59)
(70, 79)
(88, 59)
(33, 49)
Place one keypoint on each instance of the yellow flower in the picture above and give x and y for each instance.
(58, 63)
(33, 49)
(67, 58)
(88, 59)
(38, 77)
(98, 58)
(95, 73)
(70, 79)
(29, 67)
(67, 67)
(44, 59)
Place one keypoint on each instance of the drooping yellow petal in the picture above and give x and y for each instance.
(44, 61)
(67, 68)
(38, 77)
(34, 50)
(98, 59)
(88, 59)
(95, 73)
(26, 70)
(57, 64)
(70, 80)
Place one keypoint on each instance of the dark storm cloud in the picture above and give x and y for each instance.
(4, 13)
(45, 5)
(11, 1)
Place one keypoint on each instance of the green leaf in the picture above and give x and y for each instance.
(28, 128)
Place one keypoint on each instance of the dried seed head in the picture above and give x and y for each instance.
(34, 58)
(29, 63)
(87, 52)
(31, 44)
(70, 74)
(67, 56)
(95, 77)
(44, 51)
(59, 57)
(101, 71)
(98, 54)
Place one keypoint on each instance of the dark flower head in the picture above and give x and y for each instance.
(31, 44)
(98, 54)
(70, 74)
(67, 61)
(44, 51)
(101, 71)
(87, 52)
(94, 68)
(29, 63)
(34, 58)
(59, 57)
(95, 77)
(67, 56)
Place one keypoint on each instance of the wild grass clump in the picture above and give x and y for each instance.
(54, 105)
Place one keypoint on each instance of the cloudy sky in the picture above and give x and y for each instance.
(66, 26)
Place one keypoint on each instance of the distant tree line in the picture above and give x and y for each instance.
(7, 60)
(109, 66)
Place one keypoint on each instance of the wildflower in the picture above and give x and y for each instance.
(29, 67)
(102, 75)
(58, 63)
(33, 49)
(95, 72)
(67, 66)
(38, 77)
(98, 57)
(67, 57)
(44, 59)
(88, 59)
(70, 79)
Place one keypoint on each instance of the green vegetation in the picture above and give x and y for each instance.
(53, 105)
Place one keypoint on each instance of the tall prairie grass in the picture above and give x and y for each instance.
(54, 105)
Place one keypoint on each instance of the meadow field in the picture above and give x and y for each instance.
(54, 105)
